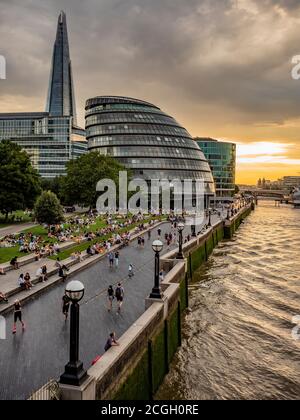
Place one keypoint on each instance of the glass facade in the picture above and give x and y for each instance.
(221, 157)
(51, 138)
(49, 141)
(145, 139)
(61, 98)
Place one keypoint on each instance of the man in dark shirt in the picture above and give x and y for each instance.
(111, 342)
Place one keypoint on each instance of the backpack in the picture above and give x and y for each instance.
(118, 292)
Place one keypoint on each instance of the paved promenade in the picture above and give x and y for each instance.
(12, 229)
(29, 359)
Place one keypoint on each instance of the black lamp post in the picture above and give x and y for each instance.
(193, 230)
(180, 255)
(157, 247)
(228, 213)
(209, 218)
(74, 373)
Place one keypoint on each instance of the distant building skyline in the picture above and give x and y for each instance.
(50, 138)
(207, 79)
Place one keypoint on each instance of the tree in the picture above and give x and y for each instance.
(54, 185)
(48, 209)
(83, 174)
(19, 181)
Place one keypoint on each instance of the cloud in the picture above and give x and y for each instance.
(221, 67)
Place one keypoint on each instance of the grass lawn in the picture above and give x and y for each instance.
(84, 246)
(11, 219)
(6, 254)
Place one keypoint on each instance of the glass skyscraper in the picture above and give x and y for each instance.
(51, 138)
(221, 157)
(146, 140)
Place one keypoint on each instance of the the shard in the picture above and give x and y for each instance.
(61, 98)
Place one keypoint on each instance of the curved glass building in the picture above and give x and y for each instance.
(145, 139)
(221, 157)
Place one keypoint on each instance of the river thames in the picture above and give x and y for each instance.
(238, 341)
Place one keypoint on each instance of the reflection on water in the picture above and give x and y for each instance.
(237, 338)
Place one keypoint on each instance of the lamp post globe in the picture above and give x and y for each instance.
(157, 247)
(75, 291)
(74, 373)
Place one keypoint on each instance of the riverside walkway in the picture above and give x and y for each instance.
(29, 359)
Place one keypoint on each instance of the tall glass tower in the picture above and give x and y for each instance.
(61, 98)
(50, 138)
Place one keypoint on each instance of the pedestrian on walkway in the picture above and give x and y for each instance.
(111, 342)
(65, 306)
(111, 259)
(63, 272)
(119, 293)
(130, 271)
(149, 234)
(159, 232)
(110, 297)
(117, 257)
(18, 316)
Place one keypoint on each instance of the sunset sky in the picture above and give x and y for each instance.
(222, 68)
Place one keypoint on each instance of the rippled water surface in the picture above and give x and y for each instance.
(238, 340)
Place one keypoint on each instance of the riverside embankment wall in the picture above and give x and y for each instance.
(136, 369)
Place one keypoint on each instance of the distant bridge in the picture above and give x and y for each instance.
(267, 194)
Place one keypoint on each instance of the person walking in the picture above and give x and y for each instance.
(18, 316)
(117, 257)
(111, 342)
(110, 297)
(149, 234)
(130, 271)
(119, 293)
(63, 272)
(111, 259)
(65, 306)
(159, 232)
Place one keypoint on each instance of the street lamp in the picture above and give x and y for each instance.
(180, 255)
(209, 218)
(157, 247)
(228, 213)
(74, 373)
(193, 230)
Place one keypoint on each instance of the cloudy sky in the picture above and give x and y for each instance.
(221, 67)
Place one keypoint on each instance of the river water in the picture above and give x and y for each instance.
(238, 341)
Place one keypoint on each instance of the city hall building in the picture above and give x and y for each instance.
(51, 138)
(146, 140)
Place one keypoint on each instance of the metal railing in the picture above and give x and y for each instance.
(49, 392)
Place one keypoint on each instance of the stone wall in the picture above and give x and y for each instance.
(136, 369)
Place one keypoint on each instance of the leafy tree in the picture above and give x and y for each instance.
(54, 185)
(19, 181)
(83, 174)
(48, 209)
